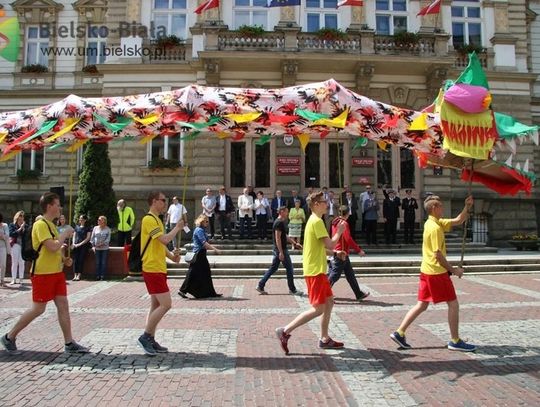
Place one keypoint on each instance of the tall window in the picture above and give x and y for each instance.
(250, 12)
(250, 163)
(165, 147)
(262, 165)
(390, 16)
(171, 14)
(466, 23)
(407, 168)
(95, 46)
(384, 167)
(37, 42)
(31, 160)
(321, 14)
(238, 160)
(312, 165)
(335, 163)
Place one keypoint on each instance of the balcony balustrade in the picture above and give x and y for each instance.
(235, 41)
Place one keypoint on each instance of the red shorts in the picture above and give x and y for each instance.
(436, 288)
(156, 283)
(45, 287)
(319, 289)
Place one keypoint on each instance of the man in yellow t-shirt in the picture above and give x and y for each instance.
(48, 279)
(435, 283)
(154, 266)
(321, 298)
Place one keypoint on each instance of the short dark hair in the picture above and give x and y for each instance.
(47, 199)
(343, 210)
(153, 195)
(314, 197)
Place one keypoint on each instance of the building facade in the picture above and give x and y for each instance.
(97, 48)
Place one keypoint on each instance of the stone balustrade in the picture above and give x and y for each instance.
(235, 41)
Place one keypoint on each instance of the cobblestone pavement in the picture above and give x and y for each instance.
(224, 352)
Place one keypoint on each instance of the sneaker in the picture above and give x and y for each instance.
(147, 344)
(261, 291)
(74, 347)
(297, 293)
(157, 347)
(461, 346)
(182, 294)
(400, 340)
(363, 296)
(283, 339)
(9, 345)
(330, 344)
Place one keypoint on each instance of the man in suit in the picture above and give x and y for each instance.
(409, 206)
(352, 204)
(391, 206)
(346, 189)
(364, 196)
(332, 211)
(224, 210)
(294, 196)
(245, 213)
(277, 202)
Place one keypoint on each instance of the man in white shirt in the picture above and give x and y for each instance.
(245, 212)
(331, 213)
(175, 213)
(208, 203)
(364, 196)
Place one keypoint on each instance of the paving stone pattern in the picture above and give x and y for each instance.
(223, 352)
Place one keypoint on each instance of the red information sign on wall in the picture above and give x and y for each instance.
(288, 161)
(363, 161)
(292, 170)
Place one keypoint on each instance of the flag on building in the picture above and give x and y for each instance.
(352, 3)
(432, 8)
(282, 3)
(210, 4)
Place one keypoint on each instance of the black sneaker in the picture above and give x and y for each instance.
(261, 291)
(9, 345)
(400, 340)
(147, 344)
(157, 347)
(74, 347)
(363, 296)
(182, 294)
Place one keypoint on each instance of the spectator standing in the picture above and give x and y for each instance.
(176, 213)
(295, 196)
(364, 196)
(297, 218)
(81, 243)
(251, 192)
(435, 284)
(409, 206)
(126, 220)
(224, 211)
(245, 213)
(321, 298)
(17, 230)
(391, 206)
(332, 210)
(100, 240)
(280, 253)
(48, 280)
(208, 203)
(352, 204)
(5, 249)
(371, 211)
(341, 262)
(277, 202)
(154, 267)
(262, 211)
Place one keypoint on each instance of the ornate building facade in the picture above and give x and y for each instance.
(96, 48)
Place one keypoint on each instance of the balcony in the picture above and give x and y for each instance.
(235, 41)
(314, 43)
(386, 45)
(156, 54)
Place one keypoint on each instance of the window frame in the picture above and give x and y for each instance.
(33, 155)
(169, 13)
(465, 20)
(391, 14)
(166, 149)
(101, 43)
(250, 9)
(321, 12)
(39, 40)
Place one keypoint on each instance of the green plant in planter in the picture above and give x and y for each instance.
(466, 49)
(90, 69)
(169, 41)
(405, 39)
(251, 30)
(34, 68)
(524, 236)
(330, 34)
(26, 175)
(163, 163)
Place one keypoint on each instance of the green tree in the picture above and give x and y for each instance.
(96, 195)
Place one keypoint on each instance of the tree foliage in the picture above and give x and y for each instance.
(96, 196)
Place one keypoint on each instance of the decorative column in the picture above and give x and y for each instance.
(289, 71)
(504, 43)
(364, 74)
(287, 17)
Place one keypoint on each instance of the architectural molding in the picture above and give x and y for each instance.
(289, 72)
(364, 74)
(37, 11)
(91, 11)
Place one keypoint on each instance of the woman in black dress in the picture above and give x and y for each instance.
(198, 280)
(80, 246)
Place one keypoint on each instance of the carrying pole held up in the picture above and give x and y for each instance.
(465, 225)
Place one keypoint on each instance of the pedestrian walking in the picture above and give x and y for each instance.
(340, 262)
(48, 279)
(321, 298)
(154, 267)
(280, 252)
(435, 284)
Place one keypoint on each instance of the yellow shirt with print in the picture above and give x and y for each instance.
(154, 259)
(314, 254)
(47, 262)
(433, 241)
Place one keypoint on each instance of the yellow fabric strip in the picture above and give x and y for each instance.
(70, 123)
(304, 140)
(146, 120)
(243, 118)
(75, 146)
(9, 155)
(338, 121)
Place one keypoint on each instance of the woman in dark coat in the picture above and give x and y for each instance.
(198, 280)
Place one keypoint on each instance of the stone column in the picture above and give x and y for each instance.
(432, 22)
(287, 17)
(504, 43)
(358, 19)
(211, 16)
(364, 74)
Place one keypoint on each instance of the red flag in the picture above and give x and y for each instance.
(432, 8)
(352, 3)
(207, 6)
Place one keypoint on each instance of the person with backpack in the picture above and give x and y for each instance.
(48, 279)
(153, 249)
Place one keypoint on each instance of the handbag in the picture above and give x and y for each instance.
(190, 257)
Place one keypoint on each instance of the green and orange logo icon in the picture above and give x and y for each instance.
(9, 37)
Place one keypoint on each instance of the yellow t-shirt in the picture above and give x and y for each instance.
(433, 241)
(314, 255)
(154, 259)
(48, 262)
